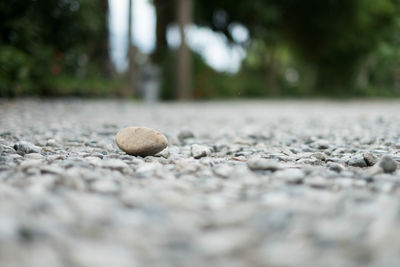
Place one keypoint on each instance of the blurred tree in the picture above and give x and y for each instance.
(261, 19)
(337, 35)
(184, 66)
(42, 41)
(133, 76)
(165, 13)
(333, 36)
(181, 13)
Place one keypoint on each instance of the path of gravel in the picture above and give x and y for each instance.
(277, 183)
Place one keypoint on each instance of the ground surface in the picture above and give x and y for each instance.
(310, 201)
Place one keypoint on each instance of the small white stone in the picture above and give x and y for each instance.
(322, 144)
(223, 171)
(260, 164)
(148, 168)
(316, 182)
(95, 161)
(105, 186)
(34, 156)
(31, 163)
(290, 175)
(51, 142)
(116, 164)
(24, 147)
(199, 151)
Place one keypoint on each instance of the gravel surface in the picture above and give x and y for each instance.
(275, 183)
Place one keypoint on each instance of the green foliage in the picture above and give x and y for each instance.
(296, 48)
(338, 36)
(333, 38)
(207, 83)
(15, 67)
(90, 86)
(43, 42)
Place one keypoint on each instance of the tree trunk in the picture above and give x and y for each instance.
(396, 79)
(102, 51)
(271, 73)
(184, 66)
(165, 15)
(132, 72)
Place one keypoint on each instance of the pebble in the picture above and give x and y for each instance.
(104, 186)
(317, 182)
(51, 142)
(357, 161)
(115, 164)
(24, 147)
(336, 167)
(6, 149)
(185, 134)
(34, 156)
(223, 171)
(148, 168)
(15, 157)
(320, 156)
(199, 151)
(261, 164)
(370, 159)
(51, 169)
(293, 176)
(388, 164)
(322, 144)
(141, 141)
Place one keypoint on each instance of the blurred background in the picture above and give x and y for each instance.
(200, 49)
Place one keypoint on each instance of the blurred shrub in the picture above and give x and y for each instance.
(51, 47)
(15, 68)
(328, 42)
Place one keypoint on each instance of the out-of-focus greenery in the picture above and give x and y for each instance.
(54, 47)
(295, 48)
(327, 44)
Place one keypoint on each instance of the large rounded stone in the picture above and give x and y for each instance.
(141, 141)
(388, 164)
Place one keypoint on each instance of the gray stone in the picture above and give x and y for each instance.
(52, 169)
(148, 168)
(51, 142)
(336, 167)
(7, 149)
(388, 164)
(116, 164)
(31, 163)
(370, 159)
(165, 153)
(104, 186)
(24, 147)
(185, 134)
(261, 164)
(320, 156)
(90, 253)
(199, 151)
(34, 156)
(96, 161)
(322, 144)
(293, 176)
(223, 171)
(357, 161)
(317, 182)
